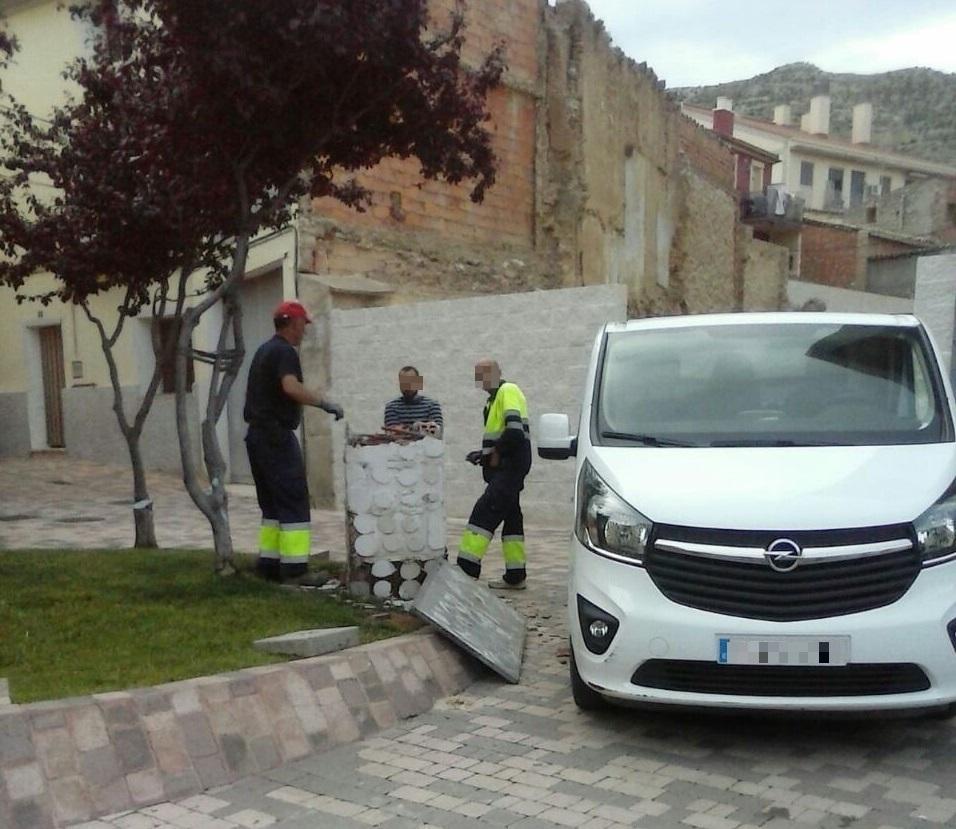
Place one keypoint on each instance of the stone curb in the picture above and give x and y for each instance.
(75, 759)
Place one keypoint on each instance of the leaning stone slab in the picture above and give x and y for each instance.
(474, 618)
(310, 642)
(4, 692)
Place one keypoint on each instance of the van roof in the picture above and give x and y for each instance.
(765, 318)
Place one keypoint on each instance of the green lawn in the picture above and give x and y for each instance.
(80, 622)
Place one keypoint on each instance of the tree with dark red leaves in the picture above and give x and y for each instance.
(224, 116)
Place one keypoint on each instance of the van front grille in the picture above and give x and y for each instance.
(722, 581)
(854, 680)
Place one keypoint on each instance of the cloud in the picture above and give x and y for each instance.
(697, 42)
(930, 44)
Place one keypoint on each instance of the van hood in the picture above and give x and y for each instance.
(783, 488)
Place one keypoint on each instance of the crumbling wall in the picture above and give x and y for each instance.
(427, 239)
(630, 191)
(765, 269)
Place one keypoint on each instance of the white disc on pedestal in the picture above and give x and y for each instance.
(411, 523)
(409, 477)
(433, 447)
(431, 474)
(382, 589)
(415, 541)
(409, 589)
(386, 523)
(410, 570)
(382, 569)
(359, 498)
(367, 545)
(365, 523)
(393, 542)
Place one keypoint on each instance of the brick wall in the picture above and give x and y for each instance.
(400, 200)
(706, 154)
(828, 255)
(542, 339)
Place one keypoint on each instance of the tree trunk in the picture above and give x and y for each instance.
(142, 503)
(214, 502)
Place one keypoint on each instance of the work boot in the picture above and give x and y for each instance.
(501, 584)
(307, 580)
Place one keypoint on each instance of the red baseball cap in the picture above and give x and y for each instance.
(291, 309)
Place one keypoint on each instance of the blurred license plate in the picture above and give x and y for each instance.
(783, 650)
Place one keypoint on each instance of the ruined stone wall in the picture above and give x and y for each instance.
(704, 268)
(631, 191)
(920, 209)
(764, 276)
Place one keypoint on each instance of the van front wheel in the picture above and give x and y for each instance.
(585, 697)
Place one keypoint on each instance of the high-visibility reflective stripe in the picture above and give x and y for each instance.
(511, 566)
(473, 546)
(480, 531)
(294, 544)
(298, 525)
(269, 539)
(491, 437)
(272, 555)
(505, 538)
(519, 426)
(514, 554)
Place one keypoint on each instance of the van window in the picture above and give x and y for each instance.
(756, 385)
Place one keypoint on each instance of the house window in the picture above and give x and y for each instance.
(834, 197)
(168, 332)
(870, 215)
(806, 174)
(857, 183)
(886, 185)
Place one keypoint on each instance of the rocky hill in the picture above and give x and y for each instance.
(914, 109)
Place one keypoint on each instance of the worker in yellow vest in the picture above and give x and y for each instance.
(505, 459)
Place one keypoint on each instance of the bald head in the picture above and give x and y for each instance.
(487, 374)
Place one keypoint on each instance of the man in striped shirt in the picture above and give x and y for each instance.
(412, 409)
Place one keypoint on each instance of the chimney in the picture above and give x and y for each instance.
(817, 120)
(863, 123)
(782, 115)
(724, 122)
(725, 103)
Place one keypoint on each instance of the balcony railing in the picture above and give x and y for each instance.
(774, 205)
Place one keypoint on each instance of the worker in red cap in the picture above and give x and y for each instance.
(275, 396)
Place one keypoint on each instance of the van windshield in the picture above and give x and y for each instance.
(769, 385)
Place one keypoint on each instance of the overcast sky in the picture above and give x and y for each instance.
(696, 42)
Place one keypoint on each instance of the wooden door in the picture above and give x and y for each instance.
(54, 379)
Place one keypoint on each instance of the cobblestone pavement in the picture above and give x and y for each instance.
(522, 756)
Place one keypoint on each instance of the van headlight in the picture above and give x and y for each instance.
(936, 530)
(606, 523)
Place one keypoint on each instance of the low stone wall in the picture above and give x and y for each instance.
(74, 759)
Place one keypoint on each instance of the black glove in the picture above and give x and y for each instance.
(474, 457)
(333, 409)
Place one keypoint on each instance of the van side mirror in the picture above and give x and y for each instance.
(555, 441)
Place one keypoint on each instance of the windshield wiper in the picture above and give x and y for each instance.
(647, 440)
(771, 442)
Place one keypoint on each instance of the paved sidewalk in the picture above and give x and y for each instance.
(55, 502)
(522, 756)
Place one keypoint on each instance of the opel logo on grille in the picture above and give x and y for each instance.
(783, 555)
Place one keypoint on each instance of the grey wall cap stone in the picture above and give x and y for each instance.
(4, 691)
(310, 642)
(474, 618)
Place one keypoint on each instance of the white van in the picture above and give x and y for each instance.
(765, 514)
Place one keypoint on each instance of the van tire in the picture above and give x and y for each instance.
(585, 697)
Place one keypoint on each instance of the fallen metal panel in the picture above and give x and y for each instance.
(474, 618)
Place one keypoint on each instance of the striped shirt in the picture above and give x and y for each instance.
(401, 412)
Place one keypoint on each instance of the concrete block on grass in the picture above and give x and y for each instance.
(310, 642)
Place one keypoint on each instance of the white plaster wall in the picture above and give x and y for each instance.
(542, 339)
(935, 300)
